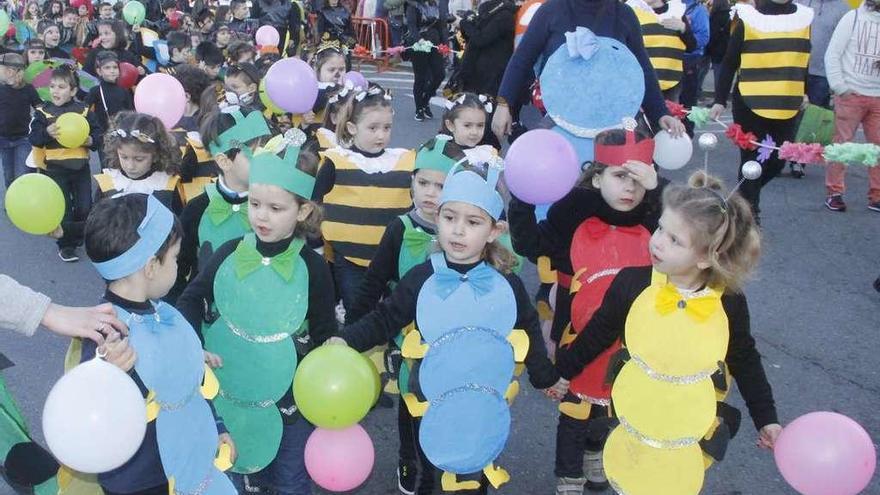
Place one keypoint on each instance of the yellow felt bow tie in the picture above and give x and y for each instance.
(699, 308)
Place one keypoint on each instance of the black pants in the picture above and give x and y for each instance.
(575, 436)
(779, 130)
(76, 186)
(428, 73)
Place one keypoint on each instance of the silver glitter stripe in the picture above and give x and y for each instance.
(616, 487)
(262, 404)
(202, 488)
(578, 131)
(593, 400)
(259, 339)
(173, 406)
(604, 273)
(674, 379)
(653, 442)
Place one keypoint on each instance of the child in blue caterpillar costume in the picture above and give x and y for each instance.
(464, 292)
(133, 242)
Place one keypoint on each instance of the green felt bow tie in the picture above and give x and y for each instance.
(219, 211)
(249, 260)
(418, 242)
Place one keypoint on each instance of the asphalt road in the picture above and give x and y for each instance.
(814, 314)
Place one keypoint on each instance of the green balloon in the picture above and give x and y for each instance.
(134, 12)
(334, 387)
(4, 22)
(35, 204)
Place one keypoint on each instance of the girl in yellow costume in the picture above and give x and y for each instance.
(684, 326)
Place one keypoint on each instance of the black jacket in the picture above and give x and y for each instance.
(489, 38)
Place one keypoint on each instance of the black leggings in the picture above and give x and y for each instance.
(779, 130)
(428, 73)
(575, 436)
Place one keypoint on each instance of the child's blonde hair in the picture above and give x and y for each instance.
(724, 228)
(311, 226)
(146, 132)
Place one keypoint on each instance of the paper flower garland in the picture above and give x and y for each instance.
(866, 154)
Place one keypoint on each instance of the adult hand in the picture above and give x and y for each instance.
(673, 23)
(716, 111)
(502, 122)
(642, 173)
(672, 125)
(768, 435)
(92, 323)
(118, 353)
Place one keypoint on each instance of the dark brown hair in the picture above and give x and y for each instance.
(164, 149)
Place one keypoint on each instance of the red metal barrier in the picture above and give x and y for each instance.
(374, 36)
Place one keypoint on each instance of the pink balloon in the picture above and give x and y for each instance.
(357, 79)
(825, 453)
(161, 96)
(267, 36)
(541, 167)
(291, 84)
(339, 460)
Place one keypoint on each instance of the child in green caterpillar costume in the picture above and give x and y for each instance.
(262, 302)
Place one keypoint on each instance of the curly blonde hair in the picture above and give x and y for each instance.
(723, 228)
(163, 148)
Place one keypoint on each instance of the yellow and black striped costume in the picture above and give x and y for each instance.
(53, 153)
(773, 65)
(198, 168)
(664, 46)
(360, 205)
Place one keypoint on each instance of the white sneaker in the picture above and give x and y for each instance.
(570, 486)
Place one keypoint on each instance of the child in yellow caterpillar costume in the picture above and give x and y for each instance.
(684, 327)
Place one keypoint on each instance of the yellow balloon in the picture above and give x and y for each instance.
(35, 204)
(267, 102)
(638, 469)
(73, 130)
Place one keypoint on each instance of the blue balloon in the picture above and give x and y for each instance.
(593, 93)
(463, 356)
(465, 430)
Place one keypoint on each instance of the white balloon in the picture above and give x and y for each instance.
(752, 170)
(672, 153)
(95, 418)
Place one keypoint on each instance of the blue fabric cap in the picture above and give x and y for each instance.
(469, 187)
(153, 232)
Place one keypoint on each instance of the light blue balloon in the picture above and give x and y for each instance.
(595, 93)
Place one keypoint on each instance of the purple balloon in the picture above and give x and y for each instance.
(825, 453)
(541, 167)
(291, 84)
(356, 78)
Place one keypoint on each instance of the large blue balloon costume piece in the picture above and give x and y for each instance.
(610, 87)
(467, 352)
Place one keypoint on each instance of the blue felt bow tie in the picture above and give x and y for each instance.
(581, 43)
(481, 278)
(163, 317)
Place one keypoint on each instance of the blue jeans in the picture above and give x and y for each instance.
(13, 155)
(286, 474)
(348, 278)
(818, 91)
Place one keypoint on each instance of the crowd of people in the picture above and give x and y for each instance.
(244, 236)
